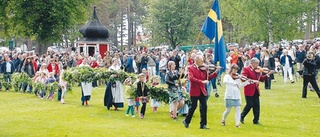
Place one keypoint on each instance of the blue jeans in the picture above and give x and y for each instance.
(162, 76)
(213, 83)
(208, 90)
(143, 66)
(188, 86)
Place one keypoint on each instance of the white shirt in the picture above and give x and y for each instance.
(61, 81)
(163, 64)
(114, 68)
(8, 67)
(119, 63)
(287, 65)
(233, 87)
(53, 68)
(291, 53)
(82, 64)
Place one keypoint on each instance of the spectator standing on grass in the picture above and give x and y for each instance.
(7, 68)
(28, 68)
(287, 64)
(301, 55)
(308, 73)
(151, 65)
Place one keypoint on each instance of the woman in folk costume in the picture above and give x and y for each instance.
(86, 87)
(114, 93)
(176, 96)
(93, 64)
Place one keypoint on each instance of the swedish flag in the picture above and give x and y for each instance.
(212, 28)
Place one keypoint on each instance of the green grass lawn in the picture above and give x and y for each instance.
(283, 113)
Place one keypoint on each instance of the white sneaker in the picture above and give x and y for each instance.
(127, 115)
(133, 116)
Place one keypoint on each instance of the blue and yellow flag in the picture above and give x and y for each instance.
(212, 28)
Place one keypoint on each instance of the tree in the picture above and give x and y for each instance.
(108, 14)
(173, 22)
(44, 21)
(260, 20)
(114, 14)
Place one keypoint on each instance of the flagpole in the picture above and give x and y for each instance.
(185, 65)
(197, 39)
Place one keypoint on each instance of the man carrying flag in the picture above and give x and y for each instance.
(212, 28)
(198, 78)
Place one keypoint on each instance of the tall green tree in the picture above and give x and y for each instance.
(261, 20)
(114, 14)
(173, 22)
(44, 21)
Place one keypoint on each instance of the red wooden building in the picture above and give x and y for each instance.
(95, 37)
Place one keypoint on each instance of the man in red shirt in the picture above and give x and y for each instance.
(252, 91)
(198, 78)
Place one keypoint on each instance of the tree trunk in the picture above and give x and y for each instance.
(115, 36)
(134, 37)
(66, 40)
(301, 20)
(318, 16)
(41, 48)
(308, 25)
(314, 21)
(121, 24)
(129, 17)
(270, 32)
(29, 44)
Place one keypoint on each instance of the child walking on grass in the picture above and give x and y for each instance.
(41, 78)
(63, 85)
(184, 110)
(131, 101)
(142, 93)
(51, 79)
(154, 102)
(36, 79)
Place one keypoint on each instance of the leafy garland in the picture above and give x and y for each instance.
(187, 98)
(39, 86)
(52, 87)
(88, 74)
(18, 78)
(131, 91)
(6, 85)
(159, 93)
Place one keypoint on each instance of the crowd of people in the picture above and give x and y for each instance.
(169, 67)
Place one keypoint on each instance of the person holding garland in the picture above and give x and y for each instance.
(114, 95)
(86, 87)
